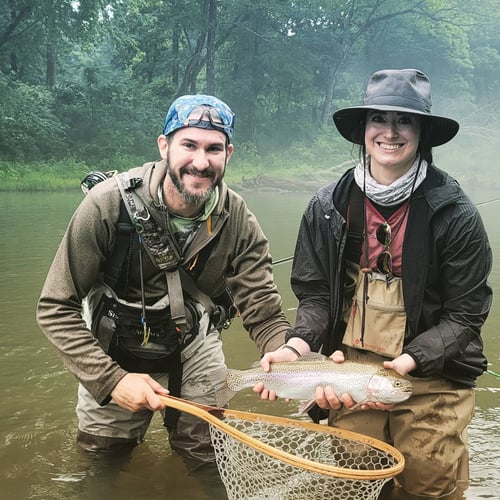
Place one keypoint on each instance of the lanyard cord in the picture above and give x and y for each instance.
(146, 329)
(364, 270)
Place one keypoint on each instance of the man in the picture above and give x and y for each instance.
(149, 318)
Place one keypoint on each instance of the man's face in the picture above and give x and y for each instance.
(196, 161)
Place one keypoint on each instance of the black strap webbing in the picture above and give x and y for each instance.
(113, 267)
(355, 225)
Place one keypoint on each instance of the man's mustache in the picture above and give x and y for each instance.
(207, 172)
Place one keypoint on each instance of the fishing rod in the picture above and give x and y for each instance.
(480, 204)
(282, 261)
(493, 200)
(491, 372)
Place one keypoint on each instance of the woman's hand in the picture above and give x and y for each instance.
(403, 364)
(327, 399)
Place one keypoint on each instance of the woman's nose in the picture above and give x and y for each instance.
(391, 129)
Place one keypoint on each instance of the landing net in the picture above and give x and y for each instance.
(312, 461)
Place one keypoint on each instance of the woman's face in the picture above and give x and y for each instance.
(391, 140)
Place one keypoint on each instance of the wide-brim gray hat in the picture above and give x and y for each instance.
(403, 90)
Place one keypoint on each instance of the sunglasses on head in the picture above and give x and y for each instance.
(208, 117)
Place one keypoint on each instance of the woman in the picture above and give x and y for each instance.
(391, 266)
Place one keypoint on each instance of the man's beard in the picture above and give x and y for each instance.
(193, 199)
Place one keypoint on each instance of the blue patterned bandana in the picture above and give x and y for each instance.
(201, 111)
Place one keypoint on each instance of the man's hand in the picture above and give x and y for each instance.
(279, 355)
(138, 391)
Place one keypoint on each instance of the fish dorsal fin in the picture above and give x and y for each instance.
(313, 356)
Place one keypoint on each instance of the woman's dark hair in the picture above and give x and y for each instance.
(424, 144)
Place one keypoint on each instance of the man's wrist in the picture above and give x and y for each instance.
(297, 345)
(291, 348)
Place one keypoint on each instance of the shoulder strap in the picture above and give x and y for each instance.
(159, 244)
(113, 267)
(355, 221)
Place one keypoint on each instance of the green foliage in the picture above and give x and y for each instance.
(93, 80)
(29, 127)
(41, 176)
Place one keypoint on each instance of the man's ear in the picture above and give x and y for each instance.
(230, 149)
(162, 142)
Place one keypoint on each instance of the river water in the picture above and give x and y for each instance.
(38, 455)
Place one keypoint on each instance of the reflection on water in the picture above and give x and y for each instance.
(38, 455)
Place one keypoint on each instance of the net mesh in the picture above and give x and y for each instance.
(251, 474)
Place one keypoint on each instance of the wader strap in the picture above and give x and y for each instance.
(189, 285)
(363, 310)
(176, 299)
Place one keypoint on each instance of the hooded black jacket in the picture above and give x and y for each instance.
(446, 261)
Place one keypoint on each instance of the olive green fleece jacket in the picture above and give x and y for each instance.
(239, 259)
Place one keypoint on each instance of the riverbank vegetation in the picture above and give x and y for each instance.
(86, 86)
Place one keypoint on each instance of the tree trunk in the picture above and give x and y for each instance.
(13, 63)
(50, 79)
(175, 55)
(211, 48)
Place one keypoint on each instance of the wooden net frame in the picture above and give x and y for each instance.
(267, 457)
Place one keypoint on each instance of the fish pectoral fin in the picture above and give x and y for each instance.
(358, 404)
(305, 406)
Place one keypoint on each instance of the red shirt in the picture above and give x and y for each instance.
(397, 222)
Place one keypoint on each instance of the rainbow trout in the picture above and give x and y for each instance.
(298, 380)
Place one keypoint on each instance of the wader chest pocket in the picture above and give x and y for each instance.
(384, 318)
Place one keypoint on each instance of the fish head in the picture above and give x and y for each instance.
(388, 388)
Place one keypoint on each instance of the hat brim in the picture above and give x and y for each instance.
(350, 123)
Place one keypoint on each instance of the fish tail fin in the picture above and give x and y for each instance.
(223, 396)
(224, 393)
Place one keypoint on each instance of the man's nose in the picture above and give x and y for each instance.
(200, 159)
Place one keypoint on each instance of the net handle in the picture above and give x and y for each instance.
(213, 416)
